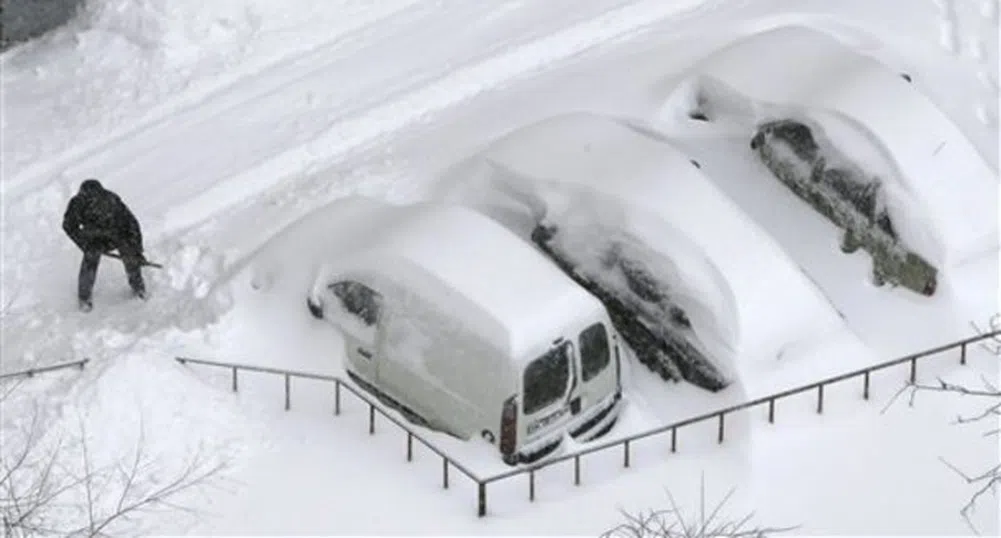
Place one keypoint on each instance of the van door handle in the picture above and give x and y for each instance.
(365, 353)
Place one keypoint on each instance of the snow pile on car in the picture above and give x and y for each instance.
(744, 293)
(938, 187)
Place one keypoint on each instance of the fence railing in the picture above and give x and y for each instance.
(30, 372)
(625, 443)
(373, 408)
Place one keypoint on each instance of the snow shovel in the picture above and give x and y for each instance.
(145, 262)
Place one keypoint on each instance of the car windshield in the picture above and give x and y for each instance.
(594, 356)
(546, 378)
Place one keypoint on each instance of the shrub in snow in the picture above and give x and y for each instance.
(673, 522)
(843, 193)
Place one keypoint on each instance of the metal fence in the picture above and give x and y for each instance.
(30, 372)
(624, 443)
(373, 408)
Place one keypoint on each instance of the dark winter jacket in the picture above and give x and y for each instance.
(96, 219)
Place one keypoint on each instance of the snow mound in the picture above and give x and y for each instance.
(944, 192)
(177, 29)
(758, 301)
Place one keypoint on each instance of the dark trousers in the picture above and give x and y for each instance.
(90, 263)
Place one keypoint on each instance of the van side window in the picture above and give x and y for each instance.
(546, 378)
(594, 351)
(358, 299)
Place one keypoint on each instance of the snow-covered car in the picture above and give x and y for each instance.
(466, 329)
(846, 195)
(628, 279)
(691, 282)
(940, 192)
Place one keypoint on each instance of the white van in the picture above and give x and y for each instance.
(467, 329)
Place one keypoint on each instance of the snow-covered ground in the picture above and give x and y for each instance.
(224, 124)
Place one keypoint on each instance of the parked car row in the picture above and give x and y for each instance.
(507, 318)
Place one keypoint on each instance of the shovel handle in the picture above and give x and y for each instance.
(145, 261)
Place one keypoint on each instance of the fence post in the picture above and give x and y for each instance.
(820, 399)
(625, 454)
(914, 370)
(371, 419)
(410, 446)
(337, 396)
(771, 411)
(531, 485)
(720, 437)
(576, 470)
(962, 353)
(865, 386)
(444, 472)
(481, 495)
(674, 439)
(235, 384)
(288, 390)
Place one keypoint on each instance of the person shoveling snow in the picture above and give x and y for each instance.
(99, 222)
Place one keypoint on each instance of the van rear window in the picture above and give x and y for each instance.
(594, 356)
(546, 378)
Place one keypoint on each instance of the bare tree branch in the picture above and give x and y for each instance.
(993, 325)
(46, 491)
(989, 479)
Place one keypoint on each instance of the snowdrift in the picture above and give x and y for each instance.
(939, 188)
(588, 170)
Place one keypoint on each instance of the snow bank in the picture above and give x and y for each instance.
(940, 173)
(758, 300)
(178, 29)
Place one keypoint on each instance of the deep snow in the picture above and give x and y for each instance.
(221, 149)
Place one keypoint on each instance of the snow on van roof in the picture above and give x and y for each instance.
(935, 161)
(499, 285)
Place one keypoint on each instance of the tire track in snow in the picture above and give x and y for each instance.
(948, 26)
(959, 36)
(371, 125)
(343, 43)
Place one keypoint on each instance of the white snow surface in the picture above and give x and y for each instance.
(225, 124)
(954, 189)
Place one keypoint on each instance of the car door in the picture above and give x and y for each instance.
(547, 382)
(598, 366)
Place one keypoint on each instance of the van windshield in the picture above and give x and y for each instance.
(594, 356)
(546, 378)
